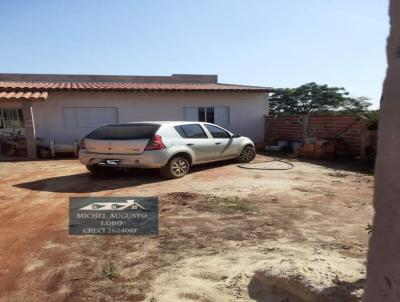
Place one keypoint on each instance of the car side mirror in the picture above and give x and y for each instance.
(236, 135)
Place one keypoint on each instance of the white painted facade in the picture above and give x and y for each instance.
(246, 110)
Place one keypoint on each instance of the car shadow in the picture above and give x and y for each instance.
(87, 182)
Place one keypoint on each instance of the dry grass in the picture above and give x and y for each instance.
(109, 271)
(225, 205)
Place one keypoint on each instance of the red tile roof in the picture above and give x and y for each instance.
(30, 95)
(125, 86)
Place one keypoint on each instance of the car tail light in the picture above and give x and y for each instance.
(82, 144)
(155, 143)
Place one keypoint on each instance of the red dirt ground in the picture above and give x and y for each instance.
(218, 226)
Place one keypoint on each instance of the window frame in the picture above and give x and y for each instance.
(199, 114)
(215, 126)
(206, 113)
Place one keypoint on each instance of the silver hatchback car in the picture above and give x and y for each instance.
(171, 147)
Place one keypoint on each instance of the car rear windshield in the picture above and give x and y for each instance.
(124, 132)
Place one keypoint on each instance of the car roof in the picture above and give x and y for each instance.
(167, 123)
(171, 123)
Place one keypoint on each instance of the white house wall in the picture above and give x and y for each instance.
(246, 110)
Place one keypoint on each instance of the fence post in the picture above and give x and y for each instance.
(29, 125)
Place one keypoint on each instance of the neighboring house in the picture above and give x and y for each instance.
(64, 108)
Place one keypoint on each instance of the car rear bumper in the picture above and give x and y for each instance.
(148, 159)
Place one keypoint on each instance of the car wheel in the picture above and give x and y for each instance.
(247, 155)
(177, 167)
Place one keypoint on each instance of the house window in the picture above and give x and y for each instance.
(89, 117)
(11, 118)
(216, 115)
(206, 114)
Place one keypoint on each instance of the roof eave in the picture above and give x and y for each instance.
(27, 89)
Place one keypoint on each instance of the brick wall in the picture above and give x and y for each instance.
(283, 127)
(296, 128)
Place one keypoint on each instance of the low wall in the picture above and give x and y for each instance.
(348, 127)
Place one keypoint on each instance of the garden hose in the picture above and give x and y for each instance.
(290, 165)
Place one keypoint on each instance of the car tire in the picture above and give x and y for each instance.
(176, 167)
(246, 155)
(96, 169)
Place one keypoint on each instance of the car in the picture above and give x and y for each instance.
(172, 147)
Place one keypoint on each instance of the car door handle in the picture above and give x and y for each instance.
(218, 143)
(189, 144)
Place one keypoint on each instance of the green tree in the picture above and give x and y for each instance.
(314, 98)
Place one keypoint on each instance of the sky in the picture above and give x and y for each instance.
(271, 43)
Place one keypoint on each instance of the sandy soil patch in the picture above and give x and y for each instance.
(226, 234)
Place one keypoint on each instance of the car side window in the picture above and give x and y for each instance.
(191, 131)
(217, 132)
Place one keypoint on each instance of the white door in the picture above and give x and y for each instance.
(194, 136)
(225, 145)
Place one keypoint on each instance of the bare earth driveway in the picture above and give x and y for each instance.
(226, 234)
